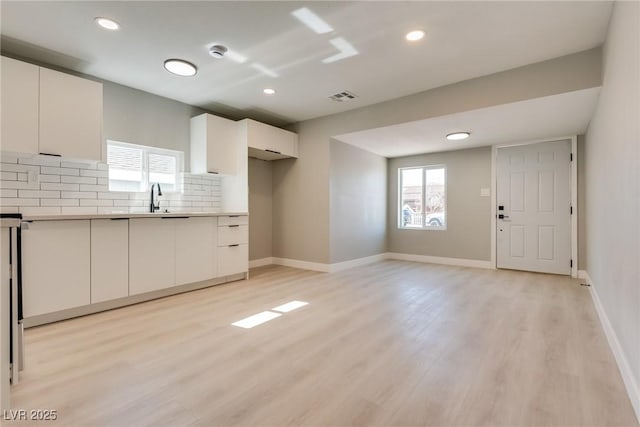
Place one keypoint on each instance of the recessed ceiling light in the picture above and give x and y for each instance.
(457, 136)
(269, 91)
(180, 67)
(414, 36)
(106, 23)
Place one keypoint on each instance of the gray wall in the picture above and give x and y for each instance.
(301, 198)
(468, 233)
(138, 117)
(613, 187)
(358, 188)
(260, 209)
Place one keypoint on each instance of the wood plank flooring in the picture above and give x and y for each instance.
(391, 343)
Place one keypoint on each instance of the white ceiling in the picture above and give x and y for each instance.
(535, 119)
(464, 40)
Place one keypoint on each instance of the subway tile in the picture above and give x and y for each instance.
(114, 195)
(95, 202)
(20, 185)
(95, 173)
(39, 193)
(7, 157)
(78, 165)
(129, 203)
(40, 160)
(60, 171)
(135, 209)
(9, 209)
(176, 203)
(49, 178)
(40, 210)
(89, 187)
(8, 167)
(19, 202)
(79, 210)
(8, 193)
(103, 181)
(62, 187)
(59, 202)
(138, 196)
(110, 210)
(192, 198)
(8, 176)
(102, 167)
(79, 195)
(22, 176)
(78, 179)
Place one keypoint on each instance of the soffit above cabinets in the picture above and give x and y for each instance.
(365, 51)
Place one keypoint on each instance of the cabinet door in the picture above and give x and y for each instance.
(195, 249)
(109, 259)
(152, 254)
(70, 115)
(19, 106)
(223, 145)
(233, 259)
(276, 143)
(55, 266)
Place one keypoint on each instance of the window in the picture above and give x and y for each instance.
(423, 198)
(135, 167)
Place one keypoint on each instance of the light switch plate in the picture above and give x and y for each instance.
(485, 192)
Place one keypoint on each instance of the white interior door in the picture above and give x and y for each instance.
(534, 202)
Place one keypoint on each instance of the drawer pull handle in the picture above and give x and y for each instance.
(50, 154)
(233, 226)
(233, 246)
(119, 219)
(273, 151)
(175, 217)
(234, 216)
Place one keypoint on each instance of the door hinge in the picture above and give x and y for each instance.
(571, 157)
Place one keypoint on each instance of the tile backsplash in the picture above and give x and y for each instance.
(45, 185)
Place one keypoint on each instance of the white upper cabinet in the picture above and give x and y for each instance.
(268, 142)
(70, 116)
(45, 111)
(20, 82)
(215, 145)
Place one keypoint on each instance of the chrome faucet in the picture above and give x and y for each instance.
(155, 205)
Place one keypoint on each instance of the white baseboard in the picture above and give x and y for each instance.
(304, 265)
(340, 266)
(345, 265)
(260, 262)
(630, 381)
(582, 274)
(440, 260)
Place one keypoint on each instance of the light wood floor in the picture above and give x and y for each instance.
(392, 343)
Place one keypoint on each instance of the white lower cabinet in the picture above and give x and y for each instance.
(196, 249)
(56, 266)
(152, 254)
(109, 259)
(233, 245)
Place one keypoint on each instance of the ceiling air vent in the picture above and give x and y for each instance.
(343, 96)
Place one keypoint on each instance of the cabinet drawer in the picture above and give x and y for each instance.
(233, 260)
(233, 220)
(233, 235)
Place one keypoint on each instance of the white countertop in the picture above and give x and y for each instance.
(128, 215)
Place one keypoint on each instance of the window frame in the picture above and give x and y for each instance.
(146, 149)
(399, 213)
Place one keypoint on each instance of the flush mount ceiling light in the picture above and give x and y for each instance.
(107, 24)
(457, 136)
(414, 36)
(180, 67)
(269, 91)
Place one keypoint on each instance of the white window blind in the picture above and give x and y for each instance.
(134, 167)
